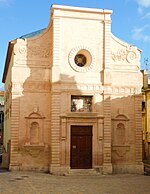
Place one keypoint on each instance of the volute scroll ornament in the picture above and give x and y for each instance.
(131, 56)
(42, 51)
(128, 54)
(20, 49)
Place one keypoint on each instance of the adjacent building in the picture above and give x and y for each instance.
(146, 115)
(1, 116)
(73, 97)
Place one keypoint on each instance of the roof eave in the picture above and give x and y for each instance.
(8, 58)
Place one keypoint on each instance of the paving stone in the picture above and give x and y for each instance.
(42, 183)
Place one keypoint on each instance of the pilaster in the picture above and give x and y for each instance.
(14, 163)
(55, 98)
(56, 49)
(107, 166)
(100, 141)
(55, 132)
(138, 128)
(107, 52)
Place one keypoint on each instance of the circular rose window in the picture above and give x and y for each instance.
(81, 59)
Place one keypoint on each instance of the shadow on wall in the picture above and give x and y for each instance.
(35, 96)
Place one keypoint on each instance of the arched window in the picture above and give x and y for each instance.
(34, 133)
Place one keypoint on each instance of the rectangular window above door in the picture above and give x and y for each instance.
(81, 103)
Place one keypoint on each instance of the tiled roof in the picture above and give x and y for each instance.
(32, 34)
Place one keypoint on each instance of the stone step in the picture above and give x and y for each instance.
(84, 172)
(147, 168)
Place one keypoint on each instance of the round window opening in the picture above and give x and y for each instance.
(80, 60)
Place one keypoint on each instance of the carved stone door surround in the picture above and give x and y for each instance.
(82, 119)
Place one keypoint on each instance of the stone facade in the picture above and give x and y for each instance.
(70, 84)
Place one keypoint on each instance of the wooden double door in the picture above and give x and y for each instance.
(81, 147)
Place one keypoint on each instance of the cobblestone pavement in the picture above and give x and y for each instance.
(42, 183)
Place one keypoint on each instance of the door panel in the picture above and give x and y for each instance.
(81, 147)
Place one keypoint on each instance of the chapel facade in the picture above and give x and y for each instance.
(73, 97)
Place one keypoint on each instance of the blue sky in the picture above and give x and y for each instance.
(130, 21)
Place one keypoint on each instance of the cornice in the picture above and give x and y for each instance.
(8, 58)
(80, 9)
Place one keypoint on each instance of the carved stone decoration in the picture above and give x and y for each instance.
(34, 151)
(126, 54)
(40, 51)
(120, 137)
(120, 117)
(121, 150)
(34, 129)
(43, 51)
(120, 126)
(22, 49)
(131, 56)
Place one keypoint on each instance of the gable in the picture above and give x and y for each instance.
(124, 56)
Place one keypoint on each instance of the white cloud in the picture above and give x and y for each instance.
(143, 3)
(146, 16)
(139, 34)
(140, 10)
(5, 2)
